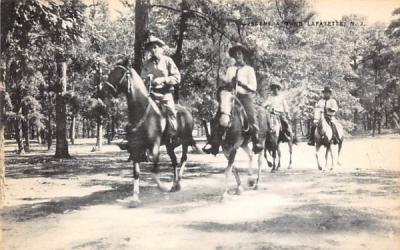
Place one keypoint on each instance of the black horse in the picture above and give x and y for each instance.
(147, 127)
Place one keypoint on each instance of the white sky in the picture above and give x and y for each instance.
(374, 10)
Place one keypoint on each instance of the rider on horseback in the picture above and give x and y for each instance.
(328, 107)
(161, 75)
(242, 78)
(278, 106)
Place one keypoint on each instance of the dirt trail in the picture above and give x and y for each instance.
(73, 204)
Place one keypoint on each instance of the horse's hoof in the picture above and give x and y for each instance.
(273, 170)
(319, 168)
(339, 163)
(175, 187)
(239, 190)
(256, 187)
(270, 164)
(225, 196)
(331, 169)
(131, 202)
(251, 181)
(289, 167)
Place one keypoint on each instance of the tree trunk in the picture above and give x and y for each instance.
(83, 128)
(141, 32)
(25, 131)
(17, 134)
(61, 117)
(99, 139)
(73, 130)
(2, 120)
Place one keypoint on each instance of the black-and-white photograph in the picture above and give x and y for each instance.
(200, 124)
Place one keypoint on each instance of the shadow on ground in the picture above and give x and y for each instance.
(308, 219)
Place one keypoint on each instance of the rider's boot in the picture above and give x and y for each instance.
(212, 146)
(311, 139)
(257, 144)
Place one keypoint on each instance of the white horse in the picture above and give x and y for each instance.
(324, 136)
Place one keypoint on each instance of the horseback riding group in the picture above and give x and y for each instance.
(155, 119)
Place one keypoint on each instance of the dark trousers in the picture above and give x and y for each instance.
(247, 102)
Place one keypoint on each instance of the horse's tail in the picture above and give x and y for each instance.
(187, 125)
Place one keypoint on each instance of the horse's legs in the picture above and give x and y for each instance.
(317, 148)
(228, 170)
(328, 149)
(274, 155)
(155, 152)
(290, 144)
(266, 158)
(136, 180)
(250, 155)
(339, 150)
(260, 162)
(333, 160)
(183, 160)
(172, 156)
(278, 150)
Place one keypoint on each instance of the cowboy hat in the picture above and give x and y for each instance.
(327, 90)
(276, 85)
(153, 39)
(238, 46)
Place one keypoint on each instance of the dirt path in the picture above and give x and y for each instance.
(73, 204)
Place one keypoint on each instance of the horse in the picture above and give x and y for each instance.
(147, 127)
(236, 135)
(275, 136)
(324, 136)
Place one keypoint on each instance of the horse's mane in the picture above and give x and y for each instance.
(139, 84)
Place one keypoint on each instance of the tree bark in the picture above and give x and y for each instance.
(25, 130)
(99, 140)
(2, 120)
(141, 32)
(17, 134)
(73, 130)
(61, 117)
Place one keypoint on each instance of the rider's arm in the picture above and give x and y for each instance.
(174, 77)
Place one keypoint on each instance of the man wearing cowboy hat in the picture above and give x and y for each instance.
(277, 104)
(242, 77)
(161, 74)
(328, 106)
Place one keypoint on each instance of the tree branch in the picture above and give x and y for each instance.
(198, 14)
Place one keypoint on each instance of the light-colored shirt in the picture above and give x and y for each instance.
(164, 67)
(245, 75)
(323, 104)
(277, 103)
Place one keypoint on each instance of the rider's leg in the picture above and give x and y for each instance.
(171, 113)
(248, 105)
(212, 145)
(311, 140)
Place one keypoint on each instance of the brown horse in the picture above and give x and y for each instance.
(236, 136)
(324, 136)
(147, 128)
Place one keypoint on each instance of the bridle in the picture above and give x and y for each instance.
(148, 107)
(126, 72)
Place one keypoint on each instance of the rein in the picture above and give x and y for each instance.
(148, 107)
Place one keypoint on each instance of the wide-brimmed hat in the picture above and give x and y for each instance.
(153, 39)
(276, 84)
(238, 46)
(327, 90)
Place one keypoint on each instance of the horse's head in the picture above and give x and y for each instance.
(124, 80)
(225, 108)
